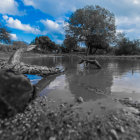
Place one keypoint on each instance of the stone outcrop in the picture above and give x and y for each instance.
(15, 93)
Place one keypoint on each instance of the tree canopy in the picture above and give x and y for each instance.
(125, 46)
(93, 25)
(70, 43)
(44, 43)
(4, 34)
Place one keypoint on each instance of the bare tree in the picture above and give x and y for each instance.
(4, 34)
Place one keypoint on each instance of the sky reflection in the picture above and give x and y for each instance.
(128, 83)
(118, 76)
(33, 78)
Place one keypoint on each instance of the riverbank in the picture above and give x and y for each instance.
(41, 121)
(6, 55)
(45, 119)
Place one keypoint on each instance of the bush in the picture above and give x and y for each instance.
(127, 47)
(11, 47)
(45, 44)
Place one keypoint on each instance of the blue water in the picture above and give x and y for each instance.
(33, 78)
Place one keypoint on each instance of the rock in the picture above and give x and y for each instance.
(128, 99)
(114, 134)
(115, 118)
(80, 100)
(62, 105)
(15, 93)
(52, 138)
(120, 129)
(103, 107)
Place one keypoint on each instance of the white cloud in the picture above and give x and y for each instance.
(13, 36)
(16, 24)
(128, 24)
(58, 41)
(29, 2)
(51, 24)
(54, 26)
(123, 20)
(55, 29)
(136, 1)
(119, 31)
(57, 7)
(53, 7)
(9, 7)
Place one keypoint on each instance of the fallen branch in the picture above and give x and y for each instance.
(14, 64)
(94, 62)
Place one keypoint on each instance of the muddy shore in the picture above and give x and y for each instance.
(42, 120)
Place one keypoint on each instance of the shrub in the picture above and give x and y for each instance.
(127, 47)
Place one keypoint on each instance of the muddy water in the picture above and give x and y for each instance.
(118, 78)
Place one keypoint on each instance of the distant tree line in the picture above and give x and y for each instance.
(4, 34)
(125, 46)
(6, 44)
(14, 45)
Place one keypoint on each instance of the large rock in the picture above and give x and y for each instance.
(15, 92)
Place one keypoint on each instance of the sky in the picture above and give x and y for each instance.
(27, 19)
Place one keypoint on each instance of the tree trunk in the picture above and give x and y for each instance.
(88, 50)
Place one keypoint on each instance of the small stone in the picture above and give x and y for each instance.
(114, 134)
(115, 118)
(128, 99)
(103, 107)
(29, 108)
(1, 131)
(122, 129)
(52, 138)
(62, 105)
(123, 110)
(116, 100)
(80, 100)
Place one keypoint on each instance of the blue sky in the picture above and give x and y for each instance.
(27, 19)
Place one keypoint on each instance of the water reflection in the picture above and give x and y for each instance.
(128, 83)
(116, 76)
(34, 78)
(58, 90)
